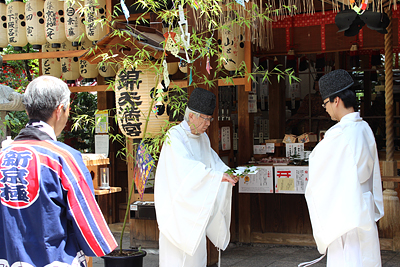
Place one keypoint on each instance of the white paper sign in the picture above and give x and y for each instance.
(293, 149)
(259, 149)
(291, 179)
(270, 147)
(252, 103)
(226, 138)
(101, 118)
(101, 144)
(261, 182)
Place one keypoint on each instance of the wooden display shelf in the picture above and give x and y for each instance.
(390, 178)
(100, 192)
(95, 162)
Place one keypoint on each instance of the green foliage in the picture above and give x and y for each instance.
(15, 121)
(17, 74)
(82, 114)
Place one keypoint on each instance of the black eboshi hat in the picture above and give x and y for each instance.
(202, 101)
(334, 82)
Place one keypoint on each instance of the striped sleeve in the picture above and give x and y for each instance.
(91, 229)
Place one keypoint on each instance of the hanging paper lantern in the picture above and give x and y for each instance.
(74, 27)
(134, 92)
(87, 70)
(3, 25)
(51, 66)
(108, 70)
(232, 42)
(54, 26)
(95, 19)
(34, 14)
(69, 65)
(16, 24)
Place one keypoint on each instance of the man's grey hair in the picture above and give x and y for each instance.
(187, 112)
(43, 95)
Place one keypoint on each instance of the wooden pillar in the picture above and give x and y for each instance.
(276, 103)
(367, 92)
(245, 145)
(106, 101)
(389, 224)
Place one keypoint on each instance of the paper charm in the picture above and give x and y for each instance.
(125, 10)
(155, 109)
(166, 74)
(208, 66)
(241, 2)
(190, 77)
(185, 35)
(359, 9)
(195, 5)
(170, 43)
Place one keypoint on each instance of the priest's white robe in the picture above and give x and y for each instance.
(344, 194)
(191, 201)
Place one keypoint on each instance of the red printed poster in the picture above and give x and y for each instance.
(291, 179)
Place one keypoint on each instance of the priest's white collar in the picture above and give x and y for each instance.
(186, 127)
(353, 116)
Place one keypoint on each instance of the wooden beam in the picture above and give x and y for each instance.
(104, 88)
(96, 88)
(180, 83)
(235, 81)
(391, 179)
(283, 238)
(42, 55)
(301, 240)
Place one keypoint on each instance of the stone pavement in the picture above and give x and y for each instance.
(258, 255)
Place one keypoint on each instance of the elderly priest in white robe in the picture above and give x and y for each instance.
(344, 192)
(192, 191)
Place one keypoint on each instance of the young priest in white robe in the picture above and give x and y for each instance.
(344, 192)
(192, 191)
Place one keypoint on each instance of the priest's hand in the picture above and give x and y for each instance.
(228, 178)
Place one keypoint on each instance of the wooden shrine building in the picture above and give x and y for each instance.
(308, 36)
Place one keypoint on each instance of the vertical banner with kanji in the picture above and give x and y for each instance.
(143, 168)
(226, 138)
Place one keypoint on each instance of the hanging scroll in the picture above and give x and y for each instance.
(134, 92)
